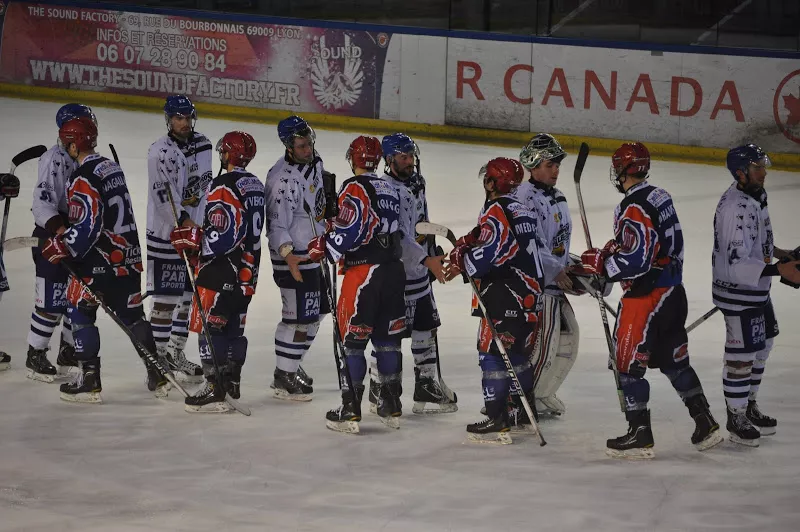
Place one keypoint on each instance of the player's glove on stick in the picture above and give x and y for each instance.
(55, 249)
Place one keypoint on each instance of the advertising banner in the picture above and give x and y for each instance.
(226, 60)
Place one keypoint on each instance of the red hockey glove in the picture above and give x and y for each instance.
(593, 259)
(9, 186)
(316, 248)
(471, 238)
(186, 239)
(55, 249)
(456, 257)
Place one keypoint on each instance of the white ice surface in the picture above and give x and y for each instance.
(138, 463)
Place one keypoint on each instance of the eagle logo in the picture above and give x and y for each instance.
(336, 74)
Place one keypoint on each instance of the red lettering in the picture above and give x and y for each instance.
(729, 87)
(507, 84)
(674, 102)
(649, 97)
(609, 98)
(472, 81)
(563, 92)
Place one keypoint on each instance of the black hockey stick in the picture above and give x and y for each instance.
(141, 349)
(34, 152)
(428, 228)
(338, 352)
(113, 153)
(583, 154)
(242, 409)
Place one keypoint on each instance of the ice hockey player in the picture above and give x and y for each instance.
(366, 237)
(421, 262)
(295, 179)
(103, 245)
(9, 188)
(558, 329)
(502, 255)
(50, 216)
(646, 257)
(229, 249)
(743, 271)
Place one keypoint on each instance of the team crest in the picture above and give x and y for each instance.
(336, 73)
(219, 218)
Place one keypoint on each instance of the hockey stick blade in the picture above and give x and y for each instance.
(583, 154)
(20, 242)
(430, 228)
(34, 152)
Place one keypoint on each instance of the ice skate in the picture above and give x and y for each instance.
(232, 379)
(5, 361)
(183, 369)
(495, 431)
(638, 443)
(66, 361)
(766, 425)
(344, 418)
(741, 430)
(288, 388)
(304, 378)
(518, 419)
(430, 398)
(156, 381)
(706, 432)
(209, 399)
(373, 396)
(87, 386)
(389, 407)
(39, 368)
(550, 406)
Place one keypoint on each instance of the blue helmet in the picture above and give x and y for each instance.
(71, 111)
(398, 143)
(292, 127)
(178, 104)
(741, 157)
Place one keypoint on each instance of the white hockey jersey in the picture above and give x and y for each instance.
(288, 188)
(187, 167)
(415, 248)
(554, 230)
(50, 193)
(743, 245)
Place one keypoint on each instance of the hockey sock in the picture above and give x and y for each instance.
(736, 376)
(636, 391)
(220, 343)
(311, 333)
(495, 382)
(87, 341)
(423, 348)
(356, 366)
(758, 369)
(389, 361)
(237, 350)
(180, 323)
(42, 327)
(161, 323)
(524, 370)
(685, 381)
(141, 330)
(290, 345)
(66, 330)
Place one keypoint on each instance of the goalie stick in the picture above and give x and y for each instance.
(34, 152)
(428, 228)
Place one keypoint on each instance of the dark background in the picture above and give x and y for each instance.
(768, 24)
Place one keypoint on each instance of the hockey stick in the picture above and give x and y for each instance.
(113, 153)
(338, 352)
(583, 154)
(242, 409)
(34, 152)
(20, 242)
(701, 319)
(141, 349)
(428, 228)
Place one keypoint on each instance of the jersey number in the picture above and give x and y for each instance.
(124, 213)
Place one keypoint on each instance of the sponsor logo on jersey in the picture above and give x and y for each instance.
(397, 326)
(359, 332)
(135, 300)
(218, 217)
(106, 168)
(348, 213)
(657, 197)
(77, 210)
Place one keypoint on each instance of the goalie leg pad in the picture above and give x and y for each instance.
(564, 350)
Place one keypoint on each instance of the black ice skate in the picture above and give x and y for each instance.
(304, 378)
(430, 397)
(5, 361)
(518, 419)
(209, 399)
(288, 388)
(638, 443)
(86, 387)
(232, 379)
(344, 418)
(706, 431)
(389, 407)
(490, 430)
(66, 360)
(156, 381)
(184, 369)
(39, 368)
(766, 425)
(741, 430)
(373, 395)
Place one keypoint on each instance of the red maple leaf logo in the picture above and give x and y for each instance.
(792, 104)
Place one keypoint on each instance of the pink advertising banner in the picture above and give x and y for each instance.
(221, 60)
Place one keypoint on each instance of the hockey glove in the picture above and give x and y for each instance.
(456, 260)
(592, 260)
(186, 239)
(55, 249)
(9, 186)
(316, 248)
(471, 238)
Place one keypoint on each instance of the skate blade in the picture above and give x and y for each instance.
(220, 407)
(4, 366)
(767, 431)
(283, 395)
(41, 377)
(347, 427)
(494, 438)
(632, 454)
(87, 397)
(188, 379)
(373, 408)
(65, 372)
(434, 408)
(393, 422)
(715, 438)
(741, 441)
(162, 391)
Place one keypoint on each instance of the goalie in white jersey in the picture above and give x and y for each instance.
(743, 270)
(294, 183)
(181, 159)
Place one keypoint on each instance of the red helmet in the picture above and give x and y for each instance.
(506, 173)
(240, 147)
(364, 152)
(631, 159)
(79, 131)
